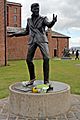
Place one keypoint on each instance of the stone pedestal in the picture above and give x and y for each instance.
(40, 105)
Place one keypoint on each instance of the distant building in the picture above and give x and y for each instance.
(13, 14)
(75, 48)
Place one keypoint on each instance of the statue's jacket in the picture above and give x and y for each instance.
(36, 29)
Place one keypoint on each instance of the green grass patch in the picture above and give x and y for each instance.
(60, 70)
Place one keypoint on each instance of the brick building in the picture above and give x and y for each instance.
(13, 14)
(2, 33)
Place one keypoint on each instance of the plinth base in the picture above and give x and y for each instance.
(40, 105)
(66, 58)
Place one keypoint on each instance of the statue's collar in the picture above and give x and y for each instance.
(33, 16)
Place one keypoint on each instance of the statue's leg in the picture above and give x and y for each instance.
(45, 52)
(29, 60)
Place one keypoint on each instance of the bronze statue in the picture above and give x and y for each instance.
(36, 29)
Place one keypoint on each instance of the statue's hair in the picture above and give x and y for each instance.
(34, 5)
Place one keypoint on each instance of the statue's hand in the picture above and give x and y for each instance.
(54, 18)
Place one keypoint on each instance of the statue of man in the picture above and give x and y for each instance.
(36, 30)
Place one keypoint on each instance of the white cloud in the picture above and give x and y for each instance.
(75, 28)
(75, 42)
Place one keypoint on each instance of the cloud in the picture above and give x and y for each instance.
(74, 42)
(70, 13)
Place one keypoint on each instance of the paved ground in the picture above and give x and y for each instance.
(72, 114)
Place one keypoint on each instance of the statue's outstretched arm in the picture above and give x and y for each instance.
(18, 34)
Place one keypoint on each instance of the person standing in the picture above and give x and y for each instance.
(77, 55)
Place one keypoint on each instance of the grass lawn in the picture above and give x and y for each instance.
(66, 71)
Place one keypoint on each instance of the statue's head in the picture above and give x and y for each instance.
(35, 9)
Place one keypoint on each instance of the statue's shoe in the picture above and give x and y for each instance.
(27, 83)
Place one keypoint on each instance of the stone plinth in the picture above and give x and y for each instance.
(66, 58)
(40, 105)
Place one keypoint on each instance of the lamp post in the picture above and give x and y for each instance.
(57, 48)
(5, 31)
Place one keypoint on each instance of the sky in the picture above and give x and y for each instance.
(67, 11)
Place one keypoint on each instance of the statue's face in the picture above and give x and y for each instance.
(35, 10)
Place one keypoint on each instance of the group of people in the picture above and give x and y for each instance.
(76, 54)
(66, 53)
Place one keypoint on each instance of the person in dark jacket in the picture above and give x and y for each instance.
(77, 55)
(37, 38)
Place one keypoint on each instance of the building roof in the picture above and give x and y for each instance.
(14, 29)
(56, 34)
(13, 3)
(18, 29)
